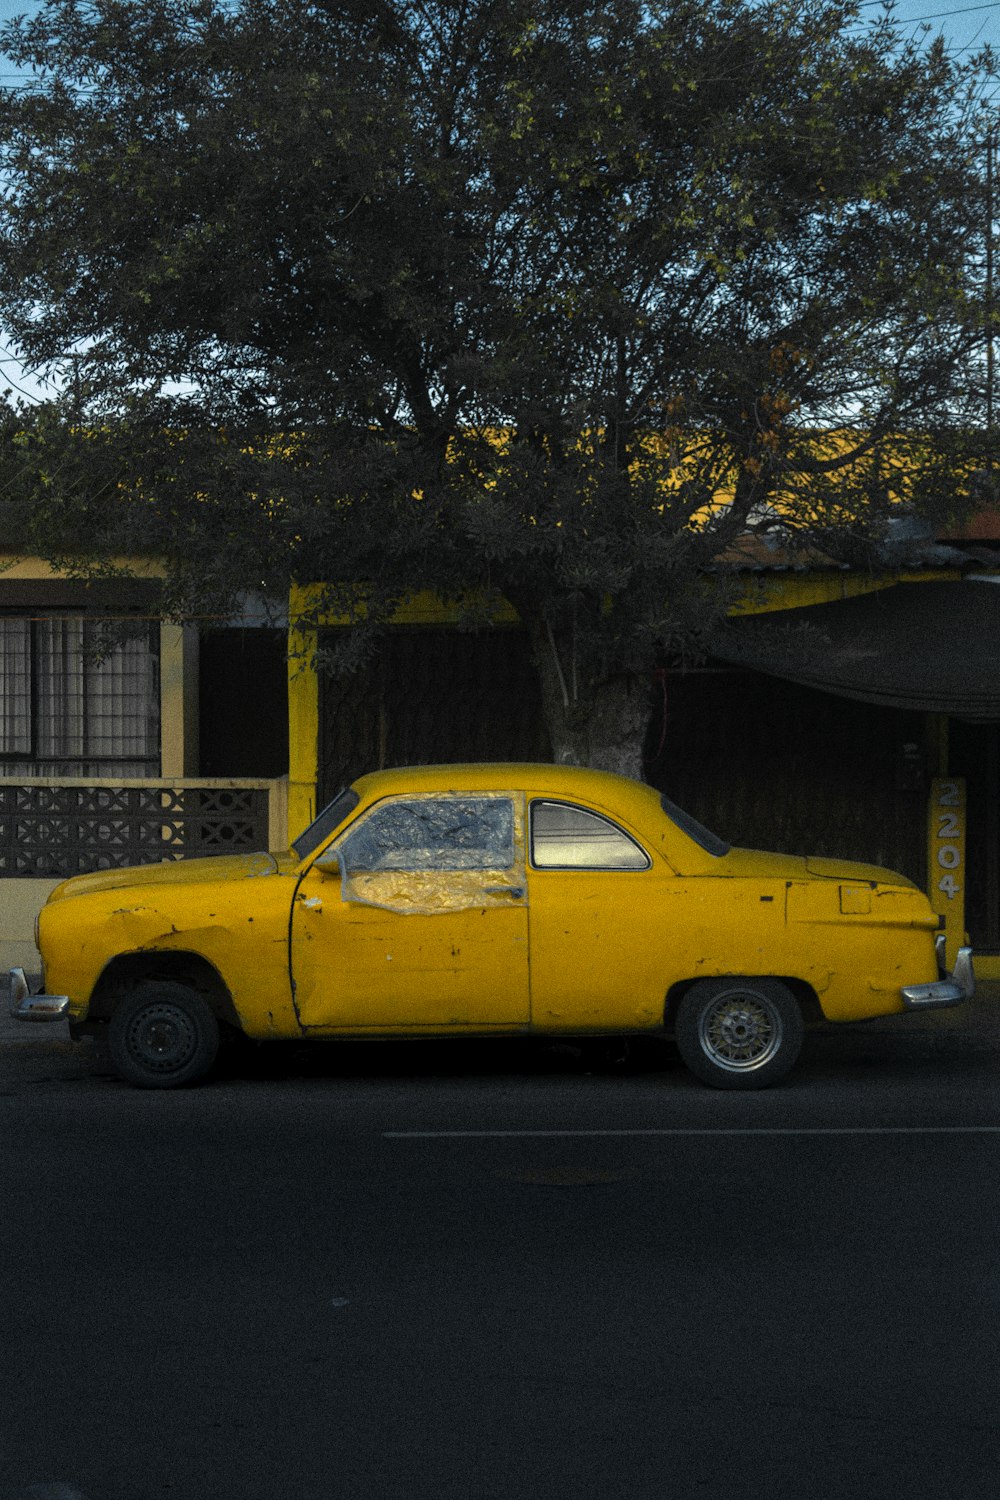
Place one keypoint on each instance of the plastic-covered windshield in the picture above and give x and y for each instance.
(436, 852)
(708, 841)
(322, 826)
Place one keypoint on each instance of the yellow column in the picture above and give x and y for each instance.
(178, 700)
(303, 717)
(946, 858)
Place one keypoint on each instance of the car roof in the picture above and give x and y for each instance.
(536, 776)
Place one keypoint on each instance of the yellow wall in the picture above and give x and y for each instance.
(22, 901)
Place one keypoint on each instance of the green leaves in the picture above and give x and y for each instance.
(489, 254)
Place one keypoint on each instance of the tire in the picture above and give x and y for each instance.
(739, 1033)
(162, 1036)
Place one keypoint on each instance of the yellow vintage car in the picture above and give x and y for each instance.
(487, 900)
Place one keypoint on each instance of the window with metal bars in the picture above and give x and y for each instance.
(69, 709)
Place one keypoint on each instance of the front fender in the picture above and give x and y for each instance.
(243, 937)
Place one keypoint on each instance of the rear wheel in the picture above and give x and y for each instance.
(162, 1036)
(739, 1033)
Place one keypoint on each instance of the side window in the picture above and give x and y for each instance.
(436, 854)
(564, 837)
(448, 833)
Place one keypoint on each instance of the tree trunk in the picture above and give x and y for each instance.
(594, 723)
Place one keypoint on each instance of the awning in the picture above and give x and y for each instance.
(931, 647)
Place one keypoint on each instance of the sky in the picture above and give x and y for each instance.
(966, 25)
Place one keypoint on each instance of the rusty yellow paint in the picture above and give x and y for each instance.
(359, 966)
(231, 911)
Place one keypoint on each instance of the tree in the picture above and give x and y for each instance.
(557, 302)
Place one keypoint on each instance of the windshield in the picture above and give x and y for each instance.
(322, 826)
(710, 842)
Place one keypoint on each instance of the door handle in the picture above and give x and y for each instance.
(515, 892)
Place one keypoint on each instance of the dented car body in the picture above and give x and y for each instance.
(489, 899)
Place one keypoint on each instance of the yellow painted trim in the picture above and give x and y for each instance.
(426, 609)
(761, 593)
(423, 608)
(766, 592)
(17, 565)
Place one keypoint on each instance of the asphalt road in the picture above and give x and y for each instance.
(477, 1271)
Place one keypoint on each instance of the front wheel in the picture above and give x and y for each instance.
(162, 1036)
(739, 1033)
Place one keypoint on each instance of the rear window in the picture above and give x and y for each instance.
(708, 841)
(566, 837)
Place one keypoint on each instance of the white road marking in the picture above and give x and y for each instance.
(449, 1135)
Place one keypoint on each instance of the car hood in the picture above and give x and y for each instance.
(752, 863)
(218, 868)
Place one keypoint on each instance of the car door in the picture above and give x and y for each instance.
(600, 933)
(416, 917)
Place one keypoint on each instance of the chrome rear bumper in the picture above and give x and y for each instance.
(950, 989)
(24, 1006)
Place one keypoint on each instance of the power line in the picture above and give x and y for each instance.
(5, 379)
(13, 385)
(939, 15)
(905, 20)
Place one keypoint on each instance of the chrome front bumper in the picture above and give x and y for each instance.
(24, 1006)
(950, 989)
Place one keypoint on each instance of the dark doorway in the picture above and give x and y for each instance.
(243, 703)
(771, 765)
(432, 696)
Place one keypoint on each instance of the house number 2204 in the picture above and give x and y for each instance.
(948, 845)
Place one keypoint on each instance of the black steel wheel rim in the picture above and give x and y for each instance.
(162, 1038)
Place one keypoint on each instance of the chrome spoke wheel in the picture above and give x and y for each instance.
(740, 1031)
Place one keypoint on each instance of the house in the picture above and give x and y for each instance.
(872, 734)
(170, 742)
(847, 714)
